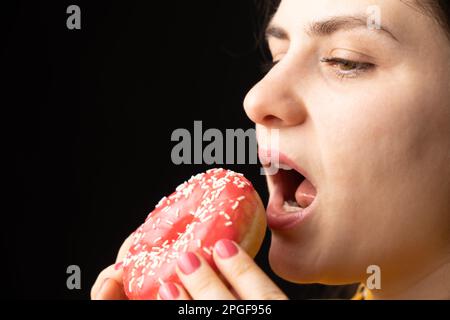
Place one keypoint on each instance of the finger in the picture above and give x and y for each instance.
(110, 289)
(200, 280)
(172, 291)
(113, 272)
(248, 280)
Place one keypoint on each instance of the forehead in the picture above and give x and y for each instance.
(400, 16)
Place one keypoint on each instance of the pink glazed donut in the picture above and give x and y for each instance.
(217, 204)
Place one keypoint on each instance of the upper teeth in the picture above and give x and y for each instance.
(284, 167)
(277, 164)
(291, 206)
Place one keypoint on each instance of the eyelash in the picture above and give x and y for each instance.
(358, 67)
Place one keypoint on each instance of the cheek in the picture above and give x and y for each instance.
(383, 155)
(369, 139)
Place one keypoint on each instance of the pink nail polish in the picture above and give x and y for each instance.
(225, 248)
(188, 263)
(168, 291)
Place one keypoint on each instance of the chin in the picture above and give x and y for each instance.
(304, 263)
(288, 262)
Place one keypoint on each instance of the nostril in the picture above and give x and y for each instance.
(271, 120)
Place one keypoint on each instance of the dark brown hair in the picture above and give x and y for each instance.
(439, 10)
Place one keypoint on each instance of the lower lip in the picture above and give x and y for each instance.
(278, 219)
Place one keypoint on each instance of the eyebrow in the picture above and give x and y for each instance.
(327, 27)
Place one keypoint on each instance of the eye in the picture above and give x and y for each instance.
(347, 68)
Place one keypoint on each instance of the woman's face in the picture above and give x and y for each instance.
(373, 136)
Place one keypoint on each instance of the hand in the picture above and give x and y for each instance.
(240, 278)
(243, 279)
(109, 285)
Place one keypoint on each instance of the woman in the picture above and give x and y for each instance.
(359, 91)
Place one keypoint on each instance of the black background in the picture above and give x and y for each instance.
(89, 115)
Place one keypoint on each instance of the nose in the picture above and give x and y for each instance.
(276, 101)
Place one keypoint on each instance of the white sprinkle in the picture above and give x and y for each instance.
(207, 250)
(199, 243)
(157, 239)
(228, 223)
(207, 218)
(235, 205)
(173, 255)
(161, 282)
(169, 222)
(181, 186)
(160, 202)
(130, 285)
(241, 198)
(158, 220)
(177, 212)
(140, 281)
(227, 216)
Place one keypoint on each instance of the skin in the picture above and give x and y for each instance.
(375, 142)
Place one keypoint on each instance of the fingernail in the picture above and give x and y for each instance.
(118, 265)
(188, 263)
(101, 289)
(168, 291)
(225, 248)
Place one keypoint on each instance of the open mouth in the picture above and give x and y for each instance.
(291, 195)
(297, 192)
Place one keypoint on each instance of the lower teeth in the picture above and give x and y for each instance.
(291, 206)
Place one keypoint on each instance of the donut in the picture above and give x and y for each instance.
(217, 204)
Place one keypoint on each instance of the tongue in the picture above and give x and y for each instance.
(305, 194)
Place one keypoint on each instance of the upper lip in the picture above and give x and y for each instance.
(266, 157)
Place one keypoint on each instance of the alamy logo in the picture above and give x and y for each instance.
(74, 20)
(374, 280)
(213, 152)
(212, 146)
(373, 18)
(74, 279)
